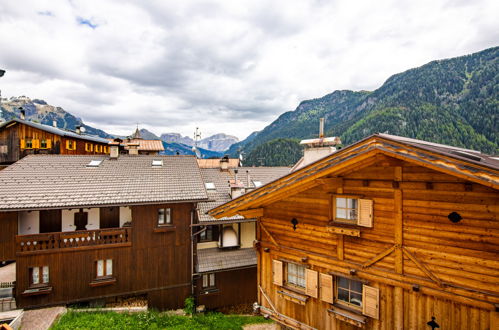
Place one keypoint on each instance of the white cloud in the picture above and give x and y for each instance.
(225, 66)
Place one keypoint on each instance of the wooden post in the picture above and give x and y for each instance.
(398, 292)
(259, 269)
(340, 241)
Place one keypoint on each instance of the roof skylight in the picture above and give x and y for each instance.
(157, 162)
(95, 163)
(257, 183)
(210, 186)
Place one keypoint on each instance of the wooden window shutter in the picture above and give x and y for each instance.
(35, 143)
(365, 218)
(277, 272)
(326, 284)
(370, 301)
(311, 283)
(49, 143)
(67, 144)
(23, 143)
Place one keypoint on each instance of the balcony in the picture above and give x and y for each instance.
(74, 240)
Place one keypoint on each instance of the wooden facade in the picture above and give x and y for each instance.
(18, 139)
(425, 249)
(146, 259)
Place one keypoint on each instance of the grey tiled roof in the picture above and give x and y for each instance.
(56, 130)
(222, 193)
(60, 181)
(215, 259)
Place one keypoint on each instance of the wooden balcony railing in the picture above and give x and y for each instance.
(74, 240)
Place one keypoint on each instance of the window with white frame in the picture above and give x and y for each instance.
(295, 275)
(346, 209)
(104, 268)
(164, 216)
(39, 276)
(208, 281)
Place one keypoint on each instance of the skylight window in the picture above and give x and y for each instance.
(157, 162)
(95, 163)
(210, 186)
(257, 183)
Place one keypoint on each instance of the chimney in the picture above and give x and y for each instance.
(133, 148)
(23, 114)
(114, 150)
(316, 149)
(224, 163)
(78, 130)
(54, 123)
(248, 180)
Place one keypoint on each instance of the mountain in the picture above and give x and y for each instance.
(218, 142)
(277, 152)
(453, 101)
(147, 135)
(39, 111)
(174, 148)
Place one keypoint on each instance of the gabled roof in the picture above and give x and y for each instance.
(214, 259)
(55, 130)
(215, 163)
(63, 181)
(463, 163)
(145, 145)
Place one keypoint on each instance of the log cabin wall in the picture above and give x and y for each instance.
(8, 232)
(423, 264)
(13, 144)
(156, 263)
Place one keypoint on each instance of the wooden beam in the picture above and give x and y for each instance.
(422, 267)
(268, 234)
(379, 257)
(267, 298)
(340, 247)
(251, 213)
(330, 181)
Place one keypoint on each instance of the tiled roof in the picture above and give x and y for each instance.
(146, 145)
(56, 130)
(221, 180)
(215, 163)
(215, 259)
(60, 181)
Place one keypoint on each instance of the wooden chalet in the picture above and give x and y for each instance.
(224, 271)
(89, 228)
(388, 233)
(19, 138)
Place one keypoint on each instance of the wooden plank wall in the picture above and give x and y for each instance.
(234, 287)
(157, 263)
(463, 255)
(8, 232)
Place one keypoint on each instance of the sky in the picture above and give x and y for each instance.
(223, 66)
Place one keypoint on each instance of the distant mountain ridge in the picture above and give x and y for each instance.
(218, 142)
(453, 101)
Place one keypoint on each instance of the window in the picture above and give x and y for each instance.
(38, 276)
(70, 145)
(349, 292)
(29, 144)
(89, 147)
(98, 148)
(209, 235)
(104, 268)
(164, 216)
(209, 281)
(43, 144)
(157, 162)
(295, 275)
(210, 186)
(346, 209)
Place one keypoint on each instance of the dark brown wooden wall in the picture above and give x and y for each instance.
(8, 232)
(12, 135)
(157, 262)
(465, 255)
(234, 287)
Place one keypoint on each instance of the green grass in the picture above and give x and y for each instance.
(152, 320)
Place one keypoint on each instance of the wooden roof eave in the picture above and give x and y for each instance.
(356, 153)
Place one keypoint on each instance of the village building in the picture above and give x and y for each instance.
(387, 233)
(225, 261)
(19, 138)
(136, 145)
(89, 228)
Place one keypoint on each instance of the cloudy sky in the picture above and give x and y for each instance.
(225, 66)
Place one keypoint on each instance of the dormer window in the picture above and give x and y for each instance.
(210, 186)
(157, 163)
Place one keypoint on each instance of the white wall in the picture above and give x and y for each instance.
(68, 219)
(125, 215)
(29, 223)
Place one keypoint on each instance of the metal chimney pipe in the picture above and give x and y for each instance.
(321, 128)
(235, 176)
(78, 130)
(248, 179)
(23, 114)
(54, 123)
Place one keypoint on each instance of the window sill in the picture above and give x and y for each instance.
(343, 229)
(164, 228)
(103, 281)
(208, 291)
(348, 316)
(293, 296)
(37, 291)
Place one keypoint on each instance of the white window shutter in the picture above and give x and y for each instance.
(365, 218)
(327, 289)
(370, 301)
(277, 272)
(311, 283)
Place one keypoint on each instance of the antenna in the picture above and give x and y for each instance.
(197, 136)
